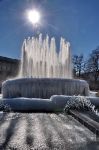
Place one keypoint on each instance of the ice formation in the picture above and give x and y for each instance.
(40, 58)
(44, 87)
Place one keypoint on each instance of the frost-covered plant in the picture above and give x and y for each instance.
(80, 103)
(4, 108)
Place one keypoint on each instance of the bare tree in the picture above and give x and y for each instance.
(78, 64)
(92, 66)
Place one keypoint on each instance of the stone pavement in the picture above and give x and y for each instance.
(44, 131)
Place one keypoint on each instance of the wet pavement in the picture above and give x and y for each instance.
(42, 131)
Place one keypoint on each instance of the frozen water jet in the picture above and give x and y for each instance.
(40, 58)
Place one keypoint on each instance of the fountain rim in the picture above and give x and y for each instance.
(48, 79)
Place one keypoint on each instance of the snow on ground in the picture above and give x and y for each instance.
(24, 131)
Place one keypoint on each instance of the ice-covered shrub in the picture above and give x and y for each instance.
(80, 103)
(5, 107)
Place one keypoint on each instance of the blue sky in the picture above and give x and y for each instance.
(75, 20)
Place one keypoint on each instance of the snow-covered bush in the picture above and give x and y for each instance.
(79, 103)
(5, 107)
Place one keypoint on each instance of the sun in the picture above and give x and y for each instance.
(34, 16)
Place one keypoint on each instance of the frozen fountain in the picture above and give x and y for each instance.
(45, 84)
(44, 71)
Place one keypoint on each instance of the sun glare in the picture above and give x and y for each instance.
(34, 16)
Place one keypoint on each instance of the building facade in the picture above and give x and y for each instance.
(8, 68)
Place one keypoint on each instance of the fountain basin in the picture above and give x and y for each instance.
(43, 87)
(56, 103)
